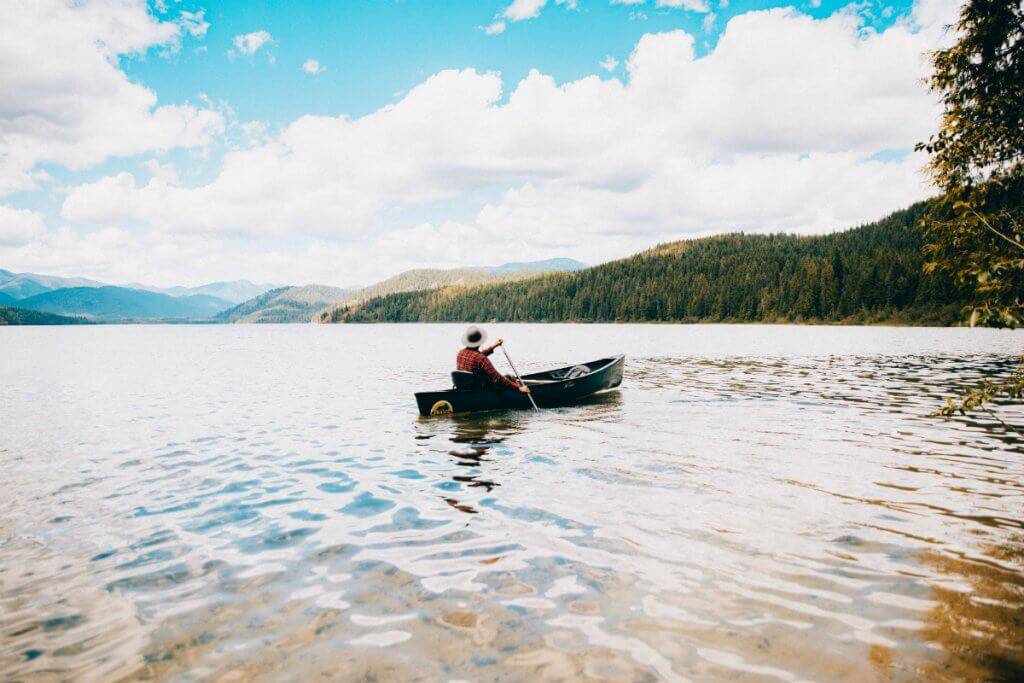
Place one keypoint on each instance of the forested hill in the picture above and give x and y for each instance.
(868, 274)
(434, 278)
(285, 305)
(21, 316)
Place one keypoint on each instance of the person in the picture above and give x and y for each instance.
(474, 359)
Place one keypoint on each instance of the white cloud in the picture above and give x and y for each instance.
(530, 9)
(19, 226)
(164, 171)
(609, 63)
(311, 66)
(524, 9)
(255, 132)
(250, 43)
(115, 255)
(692, 5)
(494, 28)
(66, 101)
(775, 129)
(194, 23)
(118, 256)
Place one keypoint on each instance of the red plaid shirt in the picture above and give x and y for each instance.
(472, 360)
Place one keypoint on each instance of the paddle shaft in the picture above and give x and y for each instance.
(512, 365)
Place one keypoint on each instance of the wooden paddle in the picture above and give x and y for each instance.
(509, 359)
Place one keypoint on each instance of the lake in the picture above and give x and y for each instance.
(754, 503)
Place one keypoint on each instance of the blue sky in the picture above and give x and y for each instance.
(181, 142)
(373, 50)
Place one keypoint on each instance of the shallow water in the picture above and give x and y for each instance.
(755, 502)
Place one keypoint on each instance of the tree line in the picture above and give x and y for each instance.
(869, 274)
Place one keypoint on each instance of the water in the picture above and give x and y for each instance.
(755, 502)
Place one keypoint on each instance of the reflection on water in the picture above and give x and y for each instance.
(978, 617)
(753, 503)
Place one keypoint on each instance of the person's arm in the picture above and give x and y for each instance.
(497, 377)
(490, 349)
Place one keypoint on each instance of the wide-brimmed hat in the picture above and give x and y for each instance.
(474, 337)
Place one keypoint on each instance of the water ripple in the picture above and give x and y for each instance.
(264, 503)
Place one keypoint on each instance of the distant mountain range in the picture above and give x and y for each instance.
(546, 265)
(121, 303)
(238, 301)
(24, 285)
(285, 305)
(235, 291)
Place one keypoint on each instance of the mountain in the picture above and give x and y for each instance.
(551, 264)
(6, 299)
(286, 305)
(433, 278)
(873, 273)
(121, 303)
(21, 316)
(22, 285)
(234, 291)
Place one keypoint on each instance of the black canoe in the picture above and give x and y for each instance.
(560, 387)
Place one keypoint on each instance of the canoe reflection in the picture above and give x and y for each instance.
(473, 437)
(475, 441)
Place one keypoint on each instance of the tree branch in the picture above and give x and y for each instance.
(994, 231)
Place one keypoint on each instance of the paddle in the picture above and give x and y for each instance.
(509, 359)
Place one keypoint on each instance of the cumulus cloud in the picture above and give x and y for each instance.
(692, 5)
(311, 66)
(116, 255)
(524, 9)
(530, 9)
(249, 44)
(778, 128)
(19, 226)
(164, 171)
(194, 23)
(494, 28)
(609, 63)
(65, 100)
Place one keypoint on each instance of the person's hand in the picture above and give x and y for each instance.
(498, 343)
(523, 388)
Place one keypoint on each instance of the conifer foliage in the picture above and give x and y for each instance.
(869, 274)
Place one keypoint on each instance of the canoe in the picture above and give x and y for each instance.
(559, 387)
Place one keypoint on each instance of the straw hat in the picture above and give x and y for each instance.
(474, 337)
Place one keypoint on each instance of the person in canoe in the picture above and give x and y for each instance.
(474, 359)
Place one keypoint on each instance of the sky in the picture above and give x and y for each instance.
(183, 142)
